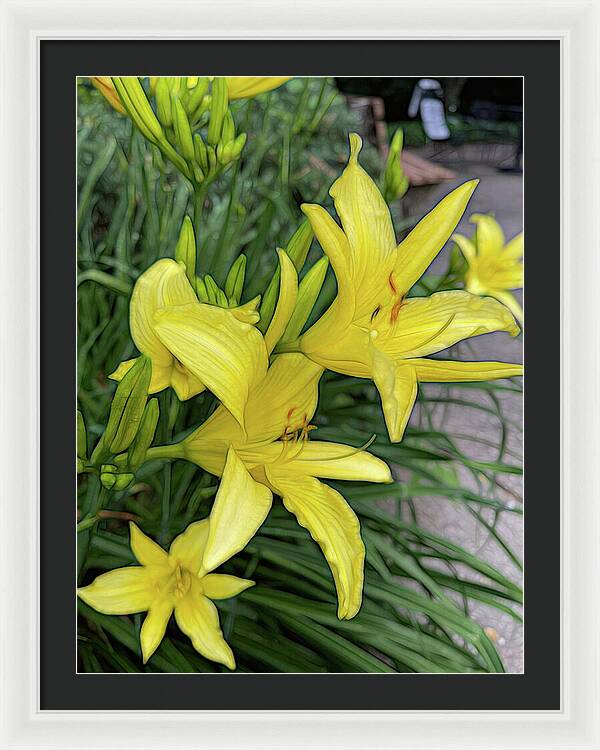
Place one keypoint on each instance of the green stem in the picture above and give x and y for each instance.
(199, 198)
(165, 451)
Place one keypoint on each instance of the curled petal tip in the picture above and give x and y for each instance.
(355, 147)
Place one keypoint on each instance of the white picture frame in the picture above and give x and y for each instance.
(576, 24)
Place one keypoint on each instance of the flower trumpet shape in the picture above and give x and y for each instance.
(165, 583)
(275, 456)
(494, 267)
(245, 87)
(194, 346)
(371, 329)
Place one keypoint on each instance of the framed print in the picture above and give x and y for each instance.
(302, 425)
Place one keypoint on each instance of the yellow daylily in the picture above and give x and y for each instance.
(371, 329)
(192, 345)
(165, 583)
(245, 87)
(107, 88)
(494, 266)
(275, 456)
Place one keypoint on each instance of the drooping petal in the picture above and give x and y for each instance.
(288, 295)
(285, 399)
(243, 87)
(183, 383)
(164, 284)
(146, 551)
(334, 461)
(240, 507)
(198, 618)
(430, 324)
(489, 235)
(334, 526)
(417, 251)
(220, 586)
(120, 592)
(509, 299)
(154, 625)
(449, 371)
(188, 548)
(222, 352)
(397, 386)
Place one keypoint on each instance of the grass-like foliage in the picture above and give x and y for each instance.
(419, 587)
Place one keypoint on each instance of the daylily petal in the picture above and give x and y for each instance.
(514, 248)
(146, 551)
(344, 350)
(449, 371)
(288, 295)
(164, 284)
(397, 386)
(417, 251)
(467, 247)
(508, 299)
(154, 626)
(364, 214)
(183, 383)
(430, 324)
(220, 586)
(198, 618)
(334, 526)
(489, 235)
(120, 592)
(228, 356)
(242, 87)
(286, 397)
(188, 548)
(240, 507)
(334, 461)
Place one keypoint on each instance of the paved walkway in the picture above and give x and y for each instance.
(501, 193)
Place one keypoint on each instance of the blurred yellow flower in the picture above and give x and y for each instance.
(274, 455)
(192, 345)
(107, 88)
(372, 330)
(244, 87)
(494, 267)
(165, 583)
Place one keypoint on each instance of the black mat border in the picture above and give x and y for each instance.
(539, 687)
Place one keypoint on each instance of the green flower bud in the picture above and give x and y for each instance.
(122, 481)
(108, 480)
(138, 107)
(128, 406)
(395, 182)
(163, 102)
(238, 145)
(218, 109)
(308, 291)
(183, 132)
(201, 153)
(297, 249)
(185, 250)
(228, 129)
(234, 283)
(80, 466)
(143, 440)
(81, 436)
(197, 95)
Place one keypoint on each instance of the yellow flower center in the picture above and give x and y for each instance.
(179, 582)
(299, 432)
